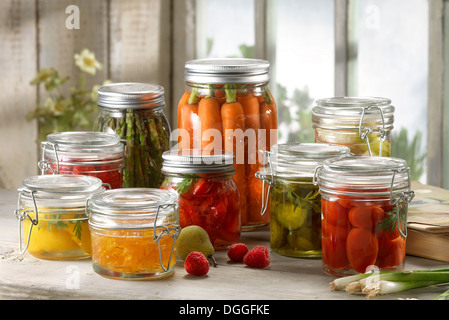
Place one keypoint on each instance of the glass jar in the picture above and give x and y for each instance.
(364, 208)
(295, 220)
(134, 231)
(52, 214)
(134, 111)
(96, 154)
(208, 194)
(362, 124)
(227, 105)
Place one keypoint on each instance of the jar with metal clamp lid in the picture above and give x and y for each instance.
(134, 232)
(208, 194)
(227, 105)
(134, 111)
(362, 124)
(292, 198)
(97, 154)
(52, 216)
(364, 208)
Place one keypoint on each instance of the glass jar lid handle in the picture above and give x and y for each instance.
(404, 198)
(263, 176)
(22, 215)
(365, 134)
(166, 230)
(43, 164)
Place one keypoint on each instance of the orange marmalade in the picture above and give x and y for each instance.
(133, 233)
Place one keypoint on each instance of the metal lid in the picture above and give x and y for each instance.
(230, 70)
(131, 95)
(132, 208)
(351, 112)
(197, 161)
(301, 159)
(61, 184)
(352, 174)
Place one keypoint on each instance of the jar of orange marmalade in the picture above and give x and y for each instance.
(134, 231)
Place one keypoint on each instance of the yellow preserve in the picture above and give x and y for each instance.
(52, 212)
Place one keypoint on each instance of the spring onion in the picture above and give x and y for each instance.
(380, 283)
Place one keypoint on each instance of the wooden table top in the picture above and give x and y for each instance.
(25, 277)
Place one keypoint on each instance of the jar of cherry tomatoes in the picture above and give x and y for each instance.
(208, 194)
(227, 105)
(135, 112)
(134, 232)
(364, 203)
(295, 220)
(96, 154)
(362, 124)
(52, 215)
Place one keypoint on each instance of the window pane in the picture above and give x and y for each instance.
(225, 29)
(392, 62)
(302, 59)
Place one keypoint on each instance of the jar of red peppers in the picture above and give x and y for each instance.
(94, 154)
(52, 214)
(363, 124)
(295, 220)
(364, 203)
(134, 232)
(135, 112)
(227, 105)
(208, 195)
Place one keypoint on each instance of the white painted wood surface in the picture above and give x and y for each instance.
(25, 277)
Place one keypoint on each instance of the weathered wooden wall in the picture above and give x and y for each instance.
(133, 39)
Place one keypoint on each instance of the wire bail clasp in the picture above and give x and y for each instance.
(168, 231)
(24, 214)
(365, 132)
(401, 199)
(44, 165)
(263, 175)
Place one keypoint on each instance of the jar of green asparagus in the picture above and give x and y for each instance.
(362, 124)
(293, 199)
(134, 111)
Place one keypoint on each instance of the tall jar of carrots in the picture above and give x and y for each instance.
(227, 105)
(364, 205)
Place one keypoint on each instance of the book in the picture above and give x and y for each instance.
(428, 223)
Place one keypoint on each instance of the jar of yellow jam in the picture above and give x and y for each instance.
(52, 214)
(134, 231)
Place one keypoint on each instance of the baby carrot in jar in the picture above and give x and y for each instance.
(133, 232)
(237, 113)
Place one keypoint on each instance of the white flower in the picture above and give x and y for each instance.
(87, 62)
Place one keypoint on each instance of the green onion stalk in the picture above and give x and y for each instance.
(381, 283)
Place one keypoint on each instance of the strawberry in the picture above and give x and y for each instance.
(237, 252)
(258, 257)
(196, 264)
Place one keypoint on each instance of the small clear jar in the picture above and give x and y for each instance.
(364, 209)
(134, 232)
(208, 194)
(363, 124)
(134, 111)
(227, 105)
(96, 154)
(295, 202)
(53, 223)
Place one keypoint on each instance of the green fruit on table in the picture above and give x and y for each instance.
(194, 238)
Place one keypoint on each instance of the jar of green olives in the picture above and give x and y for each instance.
(292, 198)
(363, 124)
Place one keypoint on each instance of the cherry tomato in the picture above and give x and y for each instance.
(362, 248)
(336, 233)
(391, 253)
(334, 213)
(366, 217)
(334, 253)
